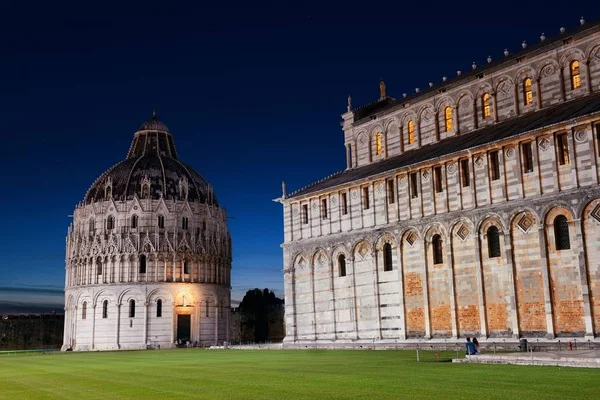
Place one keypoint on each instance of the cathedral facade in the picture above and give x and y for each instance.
(148, 258)
(469, 208)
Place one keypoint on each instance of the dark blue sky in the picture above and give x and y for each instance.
(252, 92)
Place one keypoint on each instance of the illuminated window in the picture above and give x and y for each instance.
(110, 222)
(448, 118)
(84, 310)
(411, 132)
(131, 308)
(105, 309)
(342, 264)
(366, 204)
(142, 264)
(561, 233)
(387, 257)
(493, 239)
(161, 222)
(390, 191)
(134, 221)
(527, 91)
(494, 165)
(575, 76)
(344, 204)
(378, 144)
(485, 105)
(563, 148)
(436, 242)
(158, 308)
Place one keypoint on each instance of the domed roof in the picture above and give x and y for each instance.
(151, 170)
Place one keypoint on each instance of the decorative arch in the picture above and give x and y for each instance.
(340, 249)
(443, 102)
(503, 83)
(423, 110)
(129, 294)
(386, 237)
(102, 295)
(525, 72)
(548, 68)
(410, 236)
(186, 298)
(573, 54)
(593, 51)
(362, 248)
(483, 88)
(159, 293)
(433, 229)
(301, 261)
(320, 258)
(409, 115)
(464, 100)
(491, 219)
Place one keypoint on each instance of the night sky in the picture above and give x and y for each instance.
(252, 93)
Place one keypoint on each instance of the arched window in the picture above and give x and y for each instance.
(108, 193)
(575, 75)
(158, 308)
(145, 191)
(142, 264)
(207, 309)
(493, 238)
(448, 118)
(84, 310)
(387, 257)
(527, 91)
(161, 222)
(184, 223)
(378, 144)
(131, 308)
(342, 264)
(411, 132)
(98, 267)
(105, 309)
(436, 243)
(561, 233)
(186, 267)
(485, 105)
(134, 221)
(110, 222)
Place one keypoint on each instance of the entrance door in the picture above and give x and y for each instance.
(184, 324)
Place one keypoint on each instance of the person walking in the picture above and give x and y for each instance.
(476, 345)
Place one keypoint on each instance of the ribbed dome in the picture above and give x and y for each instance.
(151, 170)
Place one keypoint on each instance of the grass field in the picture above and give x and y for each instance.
(279, 374)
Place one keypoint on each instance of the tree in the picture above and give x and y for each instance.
(256, 309)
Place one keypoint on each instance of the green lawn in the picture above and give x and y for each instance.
(278, 374)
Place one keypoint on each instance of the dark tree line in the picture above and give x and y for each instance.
(262, 316)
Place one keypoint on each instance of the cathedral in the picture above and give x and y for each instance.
(470, 207)
(148, 258)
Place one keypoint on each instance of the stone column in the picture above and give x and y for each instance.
(561, 75)
(376, 291)
(481, 286)
(401, 291)
(457, 123)
(227, 316)
(426, 244)
(437, 125)
(513, 311)
(332, 288)
(545, 265)
(585, 291)
(93, 324)
(145, 324)
(475, 116)
(118, 325)
(348, 155)
(216, 322)
(588, 77)
(418, 132)
(516, 97)
(313, 302)
(451, 284)
(354, 298)
(495, 105)
(538, 94)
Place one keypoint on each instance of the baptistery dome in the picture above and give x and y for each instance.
(148, 254)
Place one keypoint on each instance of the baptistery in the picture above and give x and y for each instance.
(148, 254)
